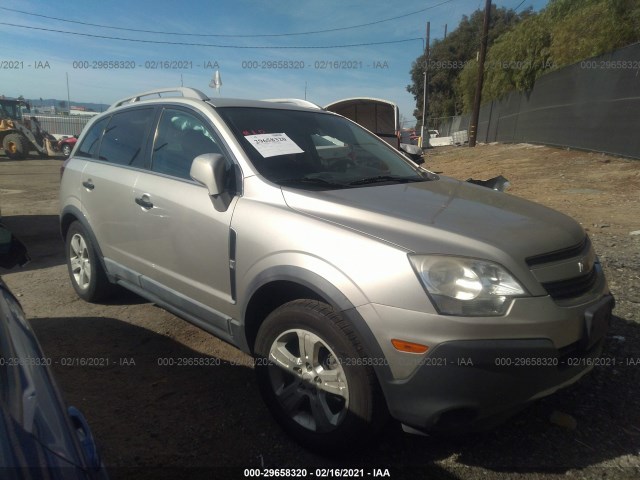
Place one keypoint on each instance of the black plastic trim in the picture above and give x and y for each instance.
(232, 261)
(562, 254)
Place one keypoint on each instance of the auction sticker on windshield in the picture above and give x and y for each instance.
(273, 144)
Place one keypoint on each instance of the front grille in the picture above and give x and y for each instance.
(572, 287)
(558, 255)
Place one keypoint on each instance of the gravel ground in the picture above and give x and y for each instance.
(156, 421)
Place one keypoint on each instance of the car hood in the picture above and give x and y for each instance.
(444, 216)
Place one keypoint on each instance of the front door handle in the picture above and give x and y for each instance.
(144, 201)
(88, 185)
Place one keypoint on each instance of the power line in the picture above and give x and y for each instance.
(229, 35)
(519, 5)
(137, 40)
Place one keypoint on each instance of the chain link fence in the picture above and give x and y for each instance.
(63, 124)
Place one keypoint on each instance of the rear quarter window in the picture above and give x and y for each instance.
(91, 142)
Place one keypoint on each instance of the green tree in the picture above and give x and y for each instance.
(565, 32)
(594, 28)
(466, 86)
(518, 58)
(450, 55)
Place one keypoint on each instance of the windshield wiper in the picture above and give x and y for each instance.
(312, 180)
(387, 178)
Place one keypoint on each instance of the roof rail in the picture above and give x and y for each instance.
(185, 91)
(294, 101)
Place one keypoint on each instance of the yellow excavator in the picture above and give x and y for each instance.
(21, 134)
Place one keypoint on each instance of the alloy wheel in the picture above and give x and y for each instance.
(80, 262)
(308, 380)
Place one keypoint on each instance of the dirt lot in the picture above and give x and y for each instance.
(156, 421)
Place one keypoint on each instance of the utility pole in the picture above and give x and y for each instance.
(445, 30)
(473, 127)
(425, 89)
(68, 95)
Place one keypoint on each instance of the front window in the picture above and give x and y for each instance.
(10, 110)
(180, 138)
(316, 150)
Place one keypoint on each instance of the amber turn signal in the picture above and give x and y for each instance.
(408, 347)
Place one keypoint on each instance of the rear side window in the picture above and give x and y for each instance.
(125, 137)
(91, 141)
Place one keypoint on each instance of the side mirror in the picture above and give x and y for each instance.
(209, 169)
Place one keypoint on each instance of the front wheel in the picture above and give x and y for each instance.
(15, 146)
(314, 377)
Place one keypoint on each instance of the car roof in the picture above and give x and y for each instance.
(278, 104)
(178, 94)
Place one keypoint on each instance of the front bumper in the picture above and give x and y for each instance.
(478, 382)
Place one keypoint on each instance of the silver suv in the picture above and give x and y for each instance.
(363, 285)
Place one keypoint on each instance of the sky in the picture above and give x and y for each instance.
(255, 45)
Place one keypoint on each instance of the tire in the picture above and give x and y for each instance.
(87, 275)
(15, 146)
(66, 149)
(328, 401)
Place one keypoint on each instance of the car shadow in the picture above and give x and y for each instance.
(33, 155)
(41, 236)
(122, 296)
(157, 406)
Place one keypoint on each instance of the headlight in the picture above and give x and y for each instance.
(466, 286)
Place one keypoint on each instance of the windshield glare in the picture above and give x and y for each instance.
(315, 150)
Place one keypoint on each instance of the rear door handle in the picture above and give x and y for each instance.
(144, 201)
(88, 185)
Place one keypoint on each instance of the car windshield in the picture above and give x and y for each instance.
(316, 150)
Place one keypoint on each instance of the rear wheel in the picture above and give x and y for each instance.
(88, 278)
(66, 149)
(314, 377)
(15, 146)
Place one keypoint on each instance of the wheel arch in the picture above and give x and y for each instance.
(283, 284)
(72, 214)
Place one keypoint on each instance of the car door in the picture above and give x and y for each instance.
(184, 238)
(116, 147)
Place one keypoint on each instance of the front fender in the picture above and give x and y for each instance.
(335, 294)
(311, 272)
